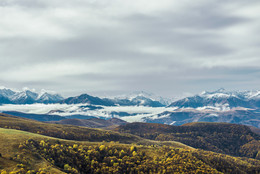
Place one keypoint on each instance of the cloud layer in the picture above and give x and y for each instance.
(112, 46)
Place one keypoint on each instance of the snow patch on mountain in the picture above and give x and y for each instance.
(172, 123)
(217, 107)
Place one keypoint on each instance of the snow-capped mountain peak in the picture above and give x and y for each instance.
(216, 94)
(27, 96)
(219, 91)
(6, 92)
(247, 99)
(253, 94)
(49, 98)
(145, 94)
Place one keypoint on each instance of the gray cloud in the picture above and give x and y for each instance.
(167, 47)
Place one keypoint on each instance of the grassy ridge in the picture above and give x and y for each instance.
(76, 133)
(65, 131)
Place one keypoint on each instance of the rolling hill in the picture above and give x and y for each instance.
(232, 139)
(68, 132)
(24, 152)
(38, 117)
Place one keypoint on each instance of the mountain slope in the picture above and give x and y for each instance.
(136, 101)
(48, 98)
(24, 97)
(23, 152)
(4, 100)
(38, 117)
(186, 115)
(85, 98)
(218, 137)
(92, 123)
(64, 131)
(13, 159)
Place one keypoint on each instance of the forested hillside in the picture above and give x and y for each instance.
(33, 153)
(233, 139)
(49, 148)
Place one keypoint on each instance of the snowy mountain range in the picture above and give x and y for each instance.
(217, 106)
(221, 97)
(133, 101)
(26, 96)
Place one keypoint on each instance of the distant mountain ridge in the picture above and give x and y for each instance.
(218, 98)
(26, 96)
(182, 116)
(138, 101)
(92, 123)
(135, 101)
(38, 117)
(246, 99)
(221, 97)
(163, 100)
(85, 98)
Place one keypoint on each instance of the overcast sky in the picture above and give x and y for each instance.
(106, 47)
